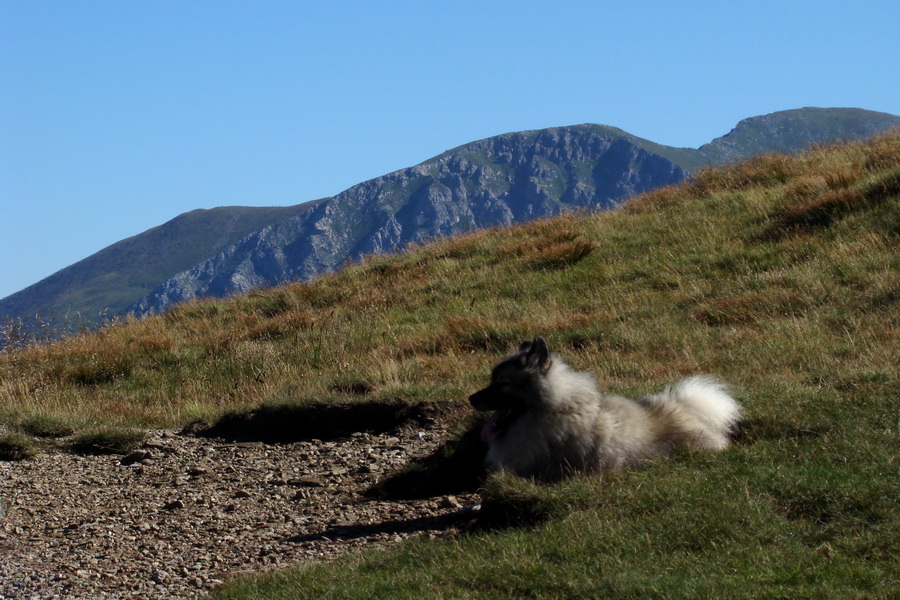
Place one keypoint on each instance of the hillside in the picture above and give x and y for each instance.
(779, 274)
(501, 180)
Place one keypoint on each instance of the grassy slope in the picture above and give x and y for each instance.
(780, 274)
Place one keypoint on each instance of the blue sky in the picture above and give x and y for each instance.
(117, 116)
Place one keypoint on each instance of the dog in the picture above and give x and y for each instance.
(550, 421)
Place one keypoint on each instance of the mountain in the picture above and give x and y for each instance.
(113, 278)
(495, 181)
(793, 130)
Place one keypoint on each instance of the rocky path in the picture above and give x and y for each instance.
(188, 513)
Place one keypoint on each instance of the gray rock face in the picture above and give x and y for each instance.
(497, 181)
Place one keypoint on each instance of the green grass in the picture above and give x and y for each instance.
(771, 518)
(780, 275)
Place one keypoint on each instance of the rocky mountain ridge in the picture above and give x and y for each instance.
(110, 280)
(498, 181)
(495, 181)
(792, 130)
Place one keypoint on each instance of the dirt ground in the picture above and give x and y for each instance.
(184, 513)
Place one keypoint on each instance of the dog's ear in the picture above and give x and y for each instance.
(525, 347)
(539, 354)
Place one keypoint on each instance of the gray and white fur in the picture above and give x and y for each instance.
(550, 421)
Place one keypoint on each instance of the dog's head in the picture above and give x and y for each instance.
(515, 385)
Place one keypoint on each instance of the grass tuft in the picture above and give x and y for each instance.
(46, 426)
(14, 447)
(107, 441)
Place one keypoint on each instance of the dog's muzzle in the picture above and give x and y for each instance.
(485, 399)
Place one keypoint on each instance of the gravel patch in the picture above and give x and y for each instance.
(183, 514)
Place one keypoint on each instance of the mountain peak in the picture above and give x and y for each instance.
(793, 130)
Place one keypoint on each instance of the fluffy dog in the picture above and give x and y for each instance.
(550, 421)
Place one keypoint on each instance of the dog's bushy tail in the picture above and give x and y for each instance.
(711, 407)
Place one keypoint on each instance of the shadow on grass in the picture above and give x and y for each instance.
(759, 429)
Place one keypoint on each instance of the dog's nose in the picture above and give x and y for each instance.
(478, 400)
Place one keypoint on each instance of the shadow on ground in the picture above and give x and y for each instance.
(284, 424)
(458, 519)
(454, 468)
